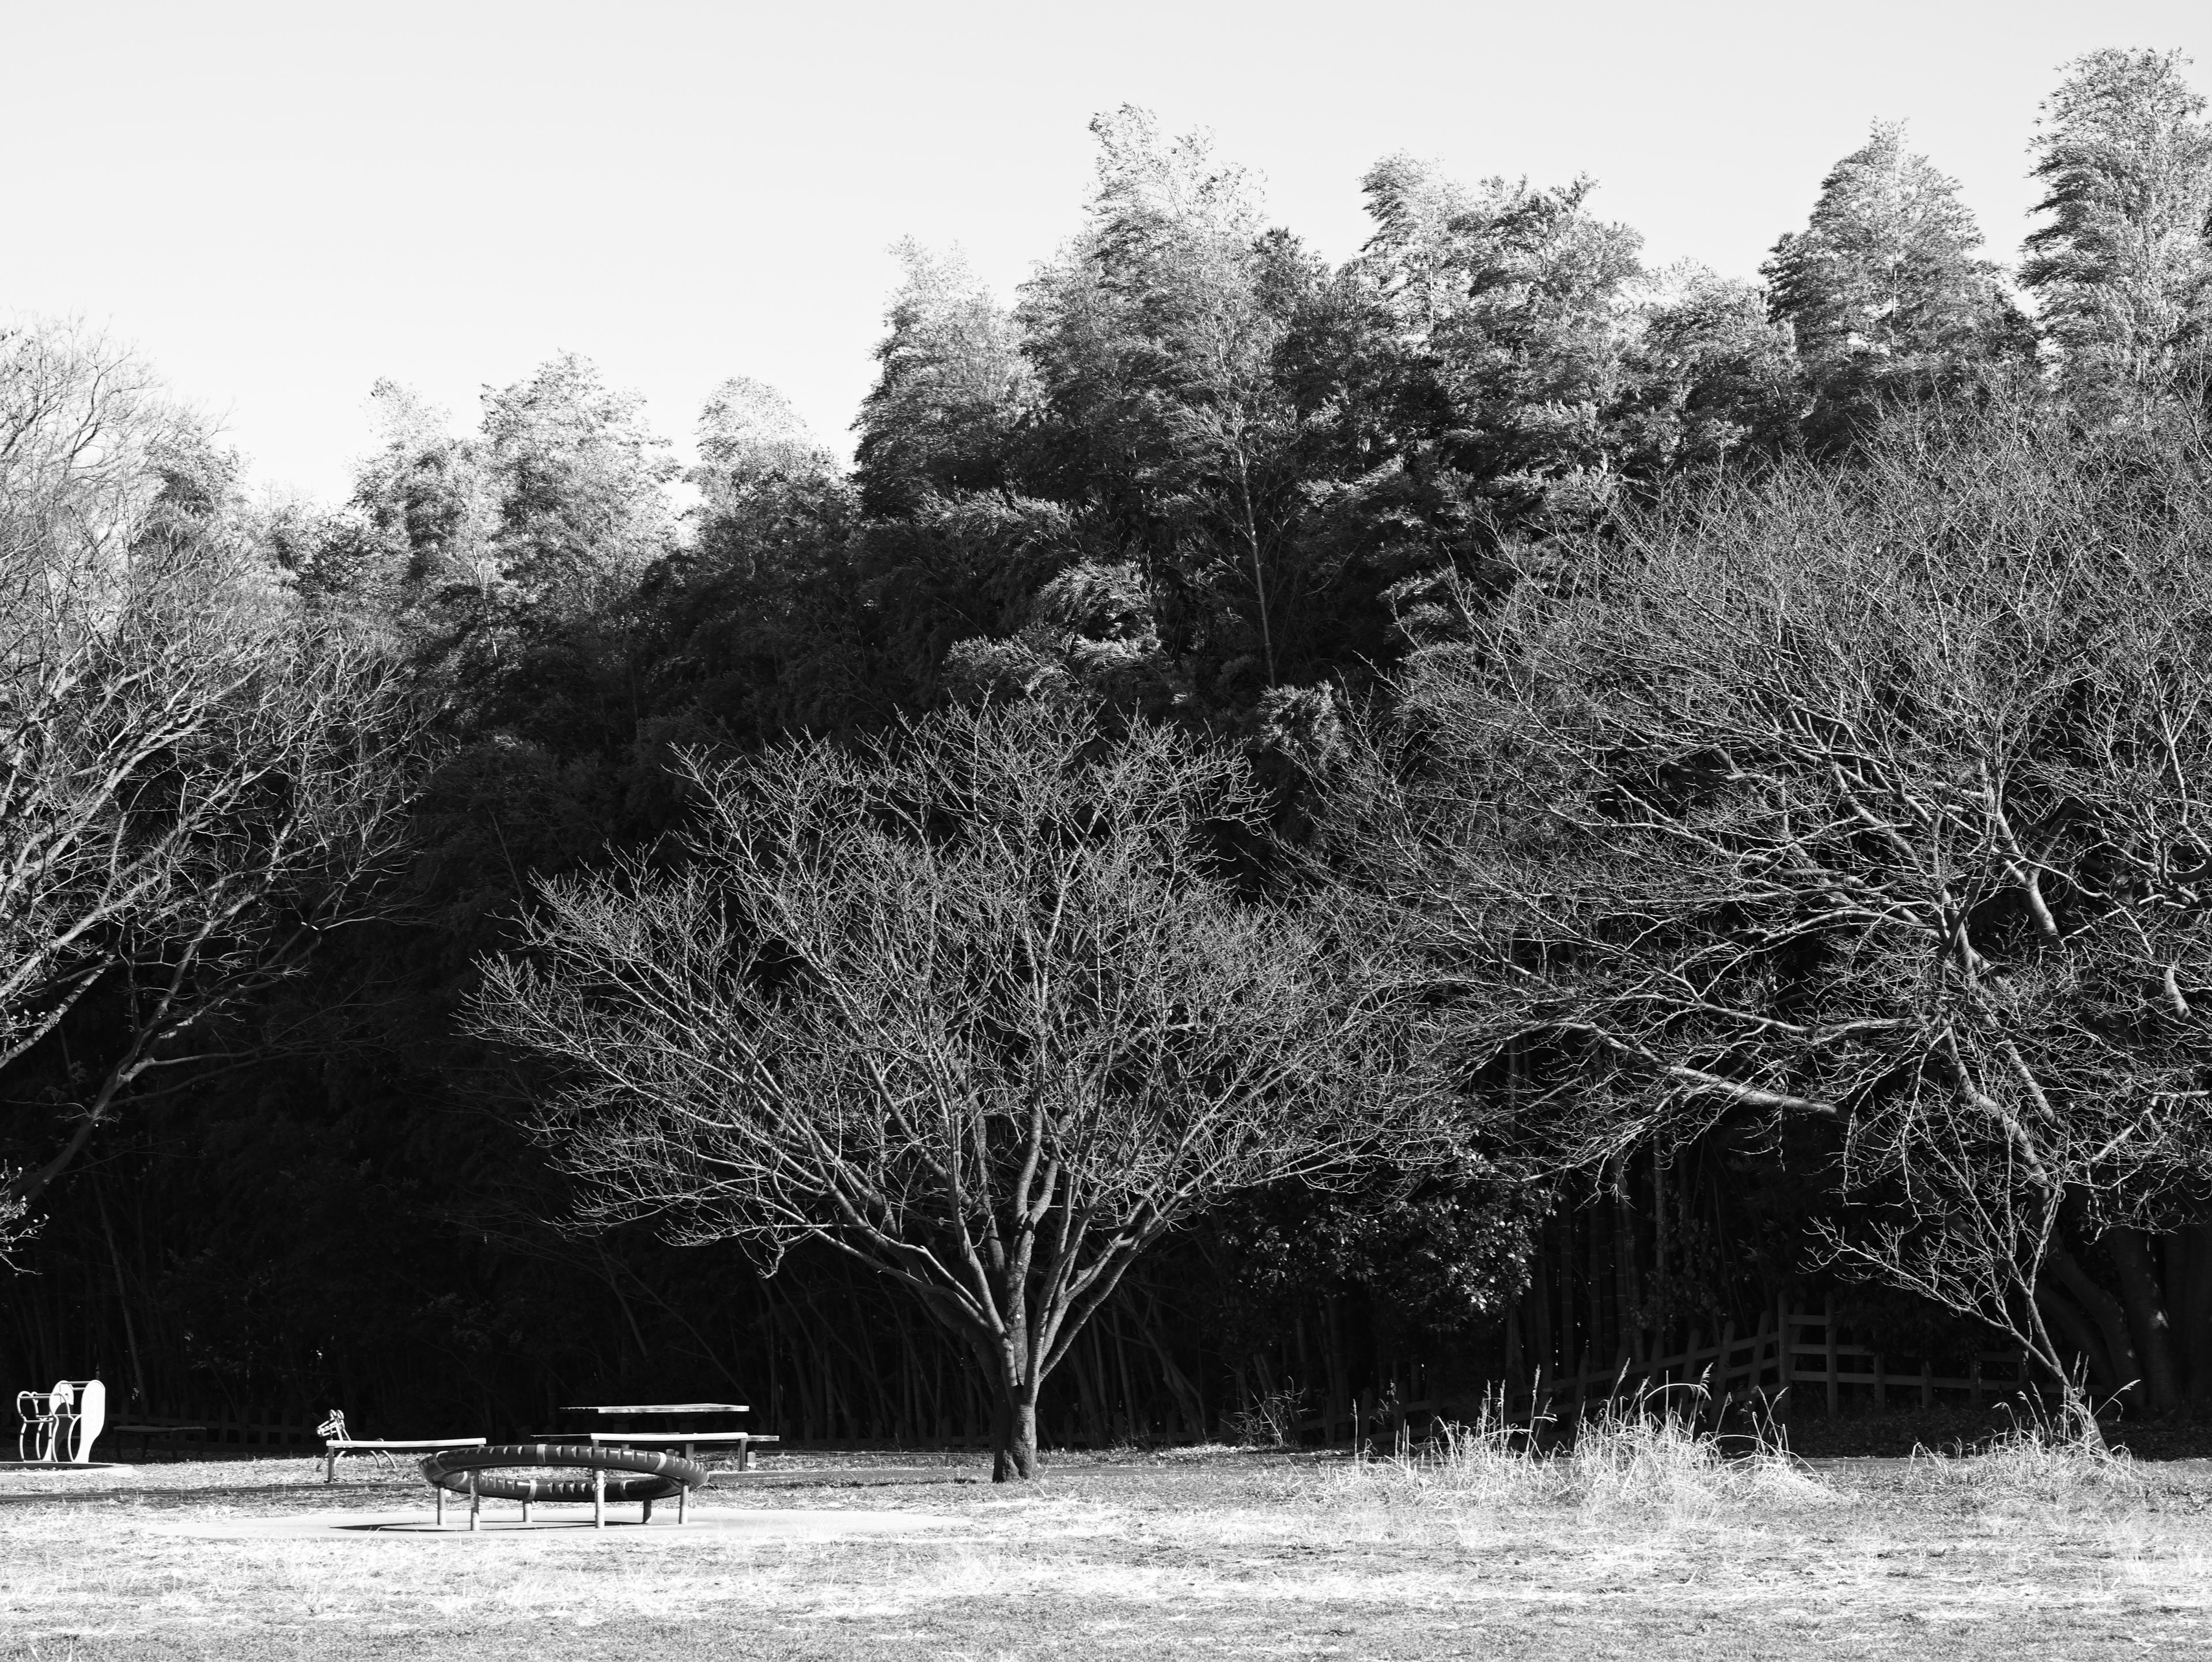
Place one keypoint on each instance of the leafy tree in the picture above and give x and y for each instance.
(1413, 255)
(508, 562)
(1884, 295)
(958, 567)
(751, 439)
(1160, 420)
(1088, 635)
(1512, 297)
(1706, 374)
(2120, 269)
(768, 626)
(952, 391)
(424, 514)
(581, 484)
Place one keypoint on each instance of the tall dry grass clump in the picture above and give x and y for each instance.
(2055, 1454)
(1645, 1454)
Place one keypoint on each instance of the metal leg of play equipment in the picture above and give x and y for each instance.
(598, 1498)
(472, 1502)
(439, 1490)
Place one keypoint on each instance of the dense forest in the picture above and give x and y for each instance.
(1553, 803)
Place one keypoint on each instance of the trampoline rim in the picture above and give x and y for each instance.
(450, 1469)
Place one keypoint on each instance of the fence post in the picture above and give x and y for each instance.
(1828, 1315)
(1723, 1396)
(1779, 1317)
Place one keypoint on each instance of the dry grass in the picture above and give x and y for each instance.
(2059, 1456)
(1642, 1542)
(1642, 1457)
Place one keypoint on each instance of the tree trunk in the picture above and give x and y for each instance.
(1013, 1438)
(2062, 1312)
(1189, 1407)
(1627, 1281)
(2079, 1413)
(1091, 1387)
(2148, 1322)
(1339, 1376)
(2111, 1320)
(2189, 1291)
(1540, 1298)
(1011, 1382)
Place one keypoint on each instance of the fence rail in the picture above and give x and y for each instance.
(1780, 1362)
(1777, 1363)
(216, 1431)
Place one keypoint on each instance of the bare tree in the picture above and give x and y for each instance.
(980, 1005)
(193, 780)
(1876, 799)
(86, 434)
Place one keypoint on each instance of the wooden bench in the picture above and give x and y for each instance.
(689, 1442)
(388, 1446)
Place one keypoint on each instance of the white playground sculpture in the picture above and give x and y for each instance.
(61, 1425)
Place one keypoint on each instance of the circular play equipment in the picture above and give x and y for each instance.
(641, 1474)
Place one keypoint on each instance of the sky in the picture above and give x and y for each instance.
(280, 204)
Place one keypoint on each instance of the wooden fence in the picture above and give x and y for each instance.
(1781, 1363)
(1793, 1361)
(219, 1431)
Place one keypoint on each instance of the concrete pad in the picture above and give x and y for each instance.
(65, 1466)
(568, 1524)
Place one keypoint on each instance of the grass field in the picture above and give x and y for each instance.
(1218, 1554)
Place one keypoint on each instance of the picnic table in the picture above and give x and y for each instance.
(689, 1440)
